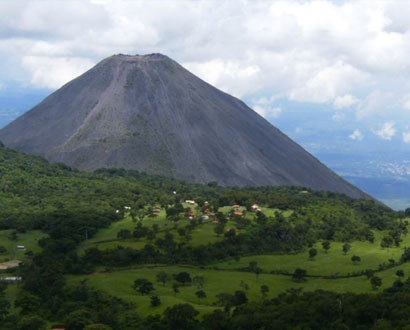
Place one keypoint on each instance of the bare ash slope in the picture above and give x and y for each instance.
(149, 113)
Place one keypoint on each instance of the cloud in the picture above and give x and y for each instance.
(356, 135)
(406, 137)
(53, 72)
(387, 131)
(345, 54)
(344, 101)
(266, 108)
(268, 112)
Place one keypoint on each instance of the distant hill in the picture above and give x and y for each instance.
(150, 114)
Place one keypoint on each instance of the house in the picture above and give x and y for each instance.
(12, 279)
(215, 221)
(205, 217)
(254, 207)
(236, 206)
(20, 247)
(157, 210)
(238, 213)
(190, 202)
(117, 211)
(9, 264)
(127, 207)
(211, 215)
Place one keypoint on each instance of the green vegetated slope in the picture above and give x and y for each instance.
(106, 229)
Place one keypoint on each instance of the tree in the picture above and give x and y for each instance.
(181, 316)
(312, 253)
(400, 273)
(124, 234)
(356, 259)
(155, 301)
(200, 294)
(386, 242)
(219, 229)
(299, 274)
(240, 298)
(163, 277)
(3, 250)
(97, 326)
(346, 247)
(175, 287)
(375, 282)
(326, 245)
(31, 322)
(244, 285)
(183, 277)
(198, 280)
(143, 285)
(264, 290)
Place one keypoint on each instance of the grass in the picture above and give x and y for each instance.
(203, 234)
(29, 240)
(330, 263)
(119, 283)
(225, 277)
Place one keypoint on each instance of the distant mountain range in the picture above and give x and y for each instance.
(150, 114)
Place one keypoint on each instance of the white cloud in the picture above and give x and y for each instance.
(268, 112)
(344, 101)
(387, 131)
(309, 51)
(356, 135)
(406, 137)
(266, 108)
(53, 72)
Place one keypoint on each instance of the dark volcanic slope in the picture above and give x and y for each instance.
(149, 113)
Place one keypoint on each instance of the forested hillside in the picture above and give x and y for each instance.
(131, 251)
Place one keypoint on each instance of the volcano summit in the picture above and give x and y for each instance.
(150, 114)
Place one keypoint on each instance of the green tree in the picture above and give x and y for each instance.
(326, 245)
(31, 322)
(124, 234)
(143, 286)
(312, 253)
(400, 273)
(356, 259)
(219, 229)
(175, 288)
(200, 294)
(183, 277)
(97, 326)
(375, 282)
(163, 277)
(386, 242)
(155, 301)
(181, 317)
(198, 280)
(79, 319)
(346, 247)
(3, 250)
(299, 275)
(264, 290)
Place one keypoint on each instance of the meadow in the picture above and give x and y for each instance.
(227, 276)
(28, 239)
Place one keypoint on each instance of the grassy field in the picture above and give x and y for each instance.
(119, 283)
(326, 263)
(203, 234)
(225, 277)
(29, 240)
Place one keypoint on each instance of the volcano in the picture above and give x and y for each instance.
(150, 114)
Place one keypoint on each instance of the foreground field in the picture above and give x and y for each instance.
(119, 283)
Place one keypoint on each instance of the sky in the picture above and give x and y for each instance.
(333, 75)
